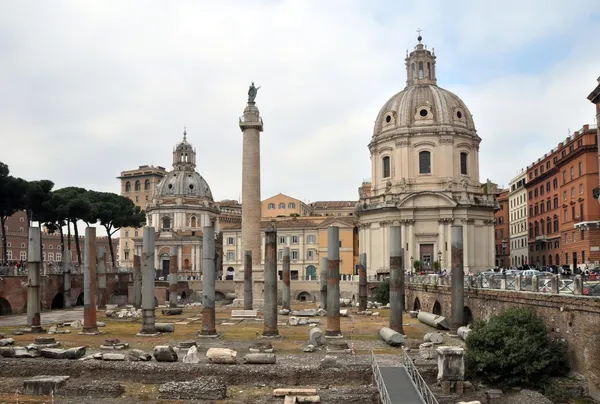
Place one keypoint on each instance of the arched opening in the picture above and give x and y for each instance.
(417, 304)
(386, 166)
(79, 301)
(137, 186)
(186, 263)
(437, 308)
(58, 302)
(128, 186)
(230, 273)
(467, 316)
(304, 297)
(193, 222)
(146, 185)
(183, 296)
(5, 308)
(166, 223)
(219, 296)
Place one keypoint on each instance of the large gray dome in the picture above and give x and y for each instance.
(422, 105)
(183, 183)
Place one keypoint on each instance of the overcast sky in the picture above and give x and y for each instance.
(90, 88)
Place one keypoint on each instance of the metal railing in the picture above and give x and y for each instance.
(415, 376)
(383, 393)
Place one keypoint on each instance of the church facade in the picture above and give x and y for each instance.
(425, 177)
(182, 204)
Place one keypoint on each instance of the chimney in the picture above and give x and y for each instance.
(586, 127)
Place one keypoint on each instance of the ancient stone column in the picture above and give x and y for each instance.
(173, 278)
(248, 280)
(148, 276)
(251, 125)
(323, 278)
(67, 260)
(286, 275)
(89, 282)
(396, 279)
(101, 269)
(333, 282)
(137, 282)
(458, 278)
(270, 307)
(208, 281)
(362, 282)
(33, 280)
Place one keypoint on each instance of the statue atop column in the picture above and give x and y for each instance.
(252, 91)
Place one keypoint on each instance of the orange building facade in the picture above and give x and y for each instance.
(564, 216)
(501, 230)
(580, 216)
(543, 206)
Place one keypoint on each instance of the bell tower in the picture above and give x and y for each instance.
(420, 65)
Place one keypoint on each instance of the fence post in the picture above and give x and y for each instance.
(578, 285)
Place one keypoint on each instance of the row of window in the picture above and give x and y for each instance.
(310, 239)
(137, 186)
(555, 159)
(311, 254)
(538, 228)
(517, 228)
(23, 256)
(424, 164)
(50, 246)
(290, 205)
(520, 242)
(517, 201)
(518, 214)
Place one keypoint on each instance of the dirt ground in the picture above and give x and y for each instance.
(360, 332)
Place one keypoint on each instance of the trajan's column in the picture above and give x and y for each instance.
(251, 125)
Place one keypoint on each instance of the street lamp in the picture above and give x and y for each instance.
(503, 254)
(440, 259)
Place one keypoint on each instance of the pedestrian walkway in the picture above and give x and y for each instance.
(47, 317)
(399, 386)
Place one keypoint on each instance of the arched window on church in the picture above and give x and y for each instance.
(146, 185)
(128, 186)
(414, 73)
(424, 162)
(428, 70)
(193, 221)
(386, 166)
(137, 186)
(463, 163)
(166, 223)
(421, 73)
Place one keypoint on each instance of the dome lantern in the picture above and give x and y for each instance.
(420, 65)
(184, 155)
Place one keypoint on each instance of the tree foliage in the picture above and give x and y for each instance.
(12, 191)
(514, 349)
(115, 211)
(382, 293)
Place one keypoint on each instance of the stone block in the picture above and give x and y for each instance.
(451, 363)
(244, 313)
(43, 385)
(260, 359)
(164, 353)
(138, 355)
(282, 392)
(192, 355)
(113, 357)
(222, 355)
(164, 327)
(172, 312)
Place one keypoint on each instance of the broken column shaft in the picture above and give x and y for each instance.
(67, 261)
(208, 281)
(270, 306)
(33, 280)
(457, 278)
(101, 269)
(396, 279)
(362, 282)
(333, 282)
(89, 282)
(323, 278)
(286, 298)
(137, 281)
(148, 275)
(173, 278)
(248, 280)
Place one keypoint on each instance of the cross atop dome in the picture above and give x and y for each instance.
(419, 38)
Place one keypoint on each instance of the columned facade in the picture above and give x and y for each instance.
(425, 177)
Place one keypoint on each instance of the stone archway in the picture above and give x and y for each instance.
(467, 316)
(5, 307)
(417, 304)
(437, 308)
(219, 296)
(304, 297)
(79, 301)
(58, 302)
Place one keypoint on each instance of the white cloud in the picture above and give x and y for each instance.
(93, 88)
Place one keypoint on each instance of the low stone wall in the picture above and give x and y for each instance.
(157, 373)
(575, 319)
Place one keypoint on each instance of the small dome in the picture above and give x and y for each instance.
(423, 105)
(183, 183)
